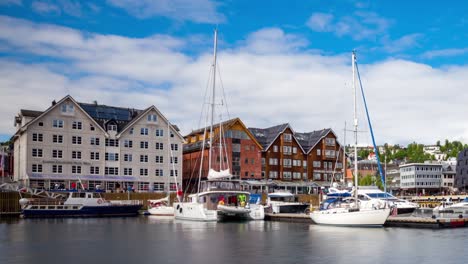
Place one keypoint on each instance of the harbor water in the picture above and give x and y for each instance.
(146, 239)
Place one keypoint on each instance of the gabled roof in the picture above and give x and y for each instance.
(310, 139)
(226, 125)
(53, 106)
(267, 136)
(30, 113)
(103, 114)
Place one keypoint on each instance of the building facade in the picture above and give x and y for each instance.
(461, 177)
(448, 177)
(241, 153)
(75, 144)
(425, 178)
(291, 156)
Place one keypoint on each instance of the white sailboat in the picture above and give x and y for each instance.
(340, 210)
(219, 197)
(163, 207)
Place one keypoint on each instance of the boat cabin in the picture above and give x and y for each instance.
(281, 197)
(220, 185)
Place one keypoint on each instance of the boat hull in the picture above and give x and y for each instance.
(194, 212)
(161, 211)
(289, 208)
(345, 217)
(85, 211)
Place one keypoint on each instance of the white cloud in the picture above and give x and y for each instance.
(444, 53)
(45, 8)
(408, 101)
(403, 43)
(361, 25)
(200, 11)
(274, 40)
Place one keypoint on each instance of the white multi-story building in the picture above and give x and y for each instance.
(421, 177)
(72, 144)
(434, 150)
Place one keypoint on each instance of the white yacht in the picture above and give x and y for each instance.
(375, 196)
(284, 202)
(340, 209)
(160, 207)
(451, 207)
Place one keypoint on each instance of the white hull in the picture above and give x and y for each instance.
(257, 212)
(162, 210)
(346, 217)
(194, 212)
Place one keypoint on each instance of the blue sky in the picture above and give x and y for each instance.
(414, 51)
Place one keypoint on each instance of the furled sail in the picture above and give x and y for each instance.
(212, 174)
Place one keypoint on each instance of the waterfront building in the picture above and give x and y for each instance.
(461, 177)
(425, 178)
(448, 177)
(291, 156)
(434, 150)
(242, 152)
(73, 144)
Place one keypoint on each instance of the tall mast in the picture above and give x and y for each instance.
(213, 94)
(343, 168)
(356, 173)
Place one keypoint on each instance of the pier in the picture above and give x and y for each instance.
(426, 222)
(297, 218)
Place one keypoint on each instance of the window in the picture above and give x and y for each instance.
(286, 175)
(287, 163)
(111, 171)
(296, 175)
(287, 150)
(68, 108)
(174, 160)
(297, 163)
(158, 187)
(275, 148)
(273, 161)
(112, 156)
(159, 132)
(91, 127)
(94, 156)
(330, 141)
(159, 146)
(76, 140)
(57, 168)
(339, 165)
(57, 154)
(152, 118)
(317, 176)
(57, 123)
(94, 141)
(57, 139)
(174, 173)
(76, 169)
(128, 171)
(329, 153)
(37, 153)
(128, 157)
(316, 164)
(294, 149)
(77, 125)
(159, 172)
(36, 168)
(93, 170)
(112, 142)
(76, 154)
(38, 137)
(128, 143)
(319, 152)
(41, 124)
(174, 147)
(143, 144)
(273, 174)
(159, 159)
(144, 131)
(143, 172)
(111, 127)
(304, 163)
(143, 158)
(287, 137)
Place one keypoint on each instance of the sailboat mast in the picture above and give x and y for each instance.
(343, 168)
(356, 173)
(213, 94)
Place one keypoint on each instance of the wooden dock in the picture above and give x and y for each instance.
(298, 218)
(426, 222)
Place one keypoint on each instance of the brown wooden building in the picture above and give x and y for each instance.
(242, 153)
(291, 156)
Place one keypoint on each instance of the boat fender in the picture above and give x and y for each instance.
(99, 201)
(221, 202)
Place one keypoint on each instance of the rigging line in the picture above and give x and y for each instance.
(222, 89)
(382, 176)
(208, 82)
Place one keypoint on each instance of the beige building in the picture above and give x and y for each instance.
(72, 144)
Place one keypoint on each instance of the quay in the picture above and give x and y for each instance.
(296, 218)
(426, 222)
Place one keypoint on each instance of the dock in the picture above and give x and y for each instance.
(297, 218)
(426, 222)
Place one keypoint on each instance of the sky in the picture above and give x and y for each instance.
(278, 61)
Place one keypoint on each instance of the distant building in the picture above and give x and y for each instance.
(423, 178)
(241, 153)
(448, 177)
(434, 150)
(461, 177)
(6, 161)
(72, 144)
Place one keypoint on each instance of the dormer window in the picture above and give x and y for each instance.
(111, 127)
(152, 118)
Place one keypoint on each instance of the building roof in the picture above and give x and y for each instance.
(30, 113)
(266, 136)
(310, 139)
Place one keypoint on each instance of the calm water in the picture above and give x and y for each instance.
(150, 240)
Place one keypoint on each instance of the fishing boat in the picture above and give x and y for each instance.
(78, 204)
(347, 211)
(219, 197)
